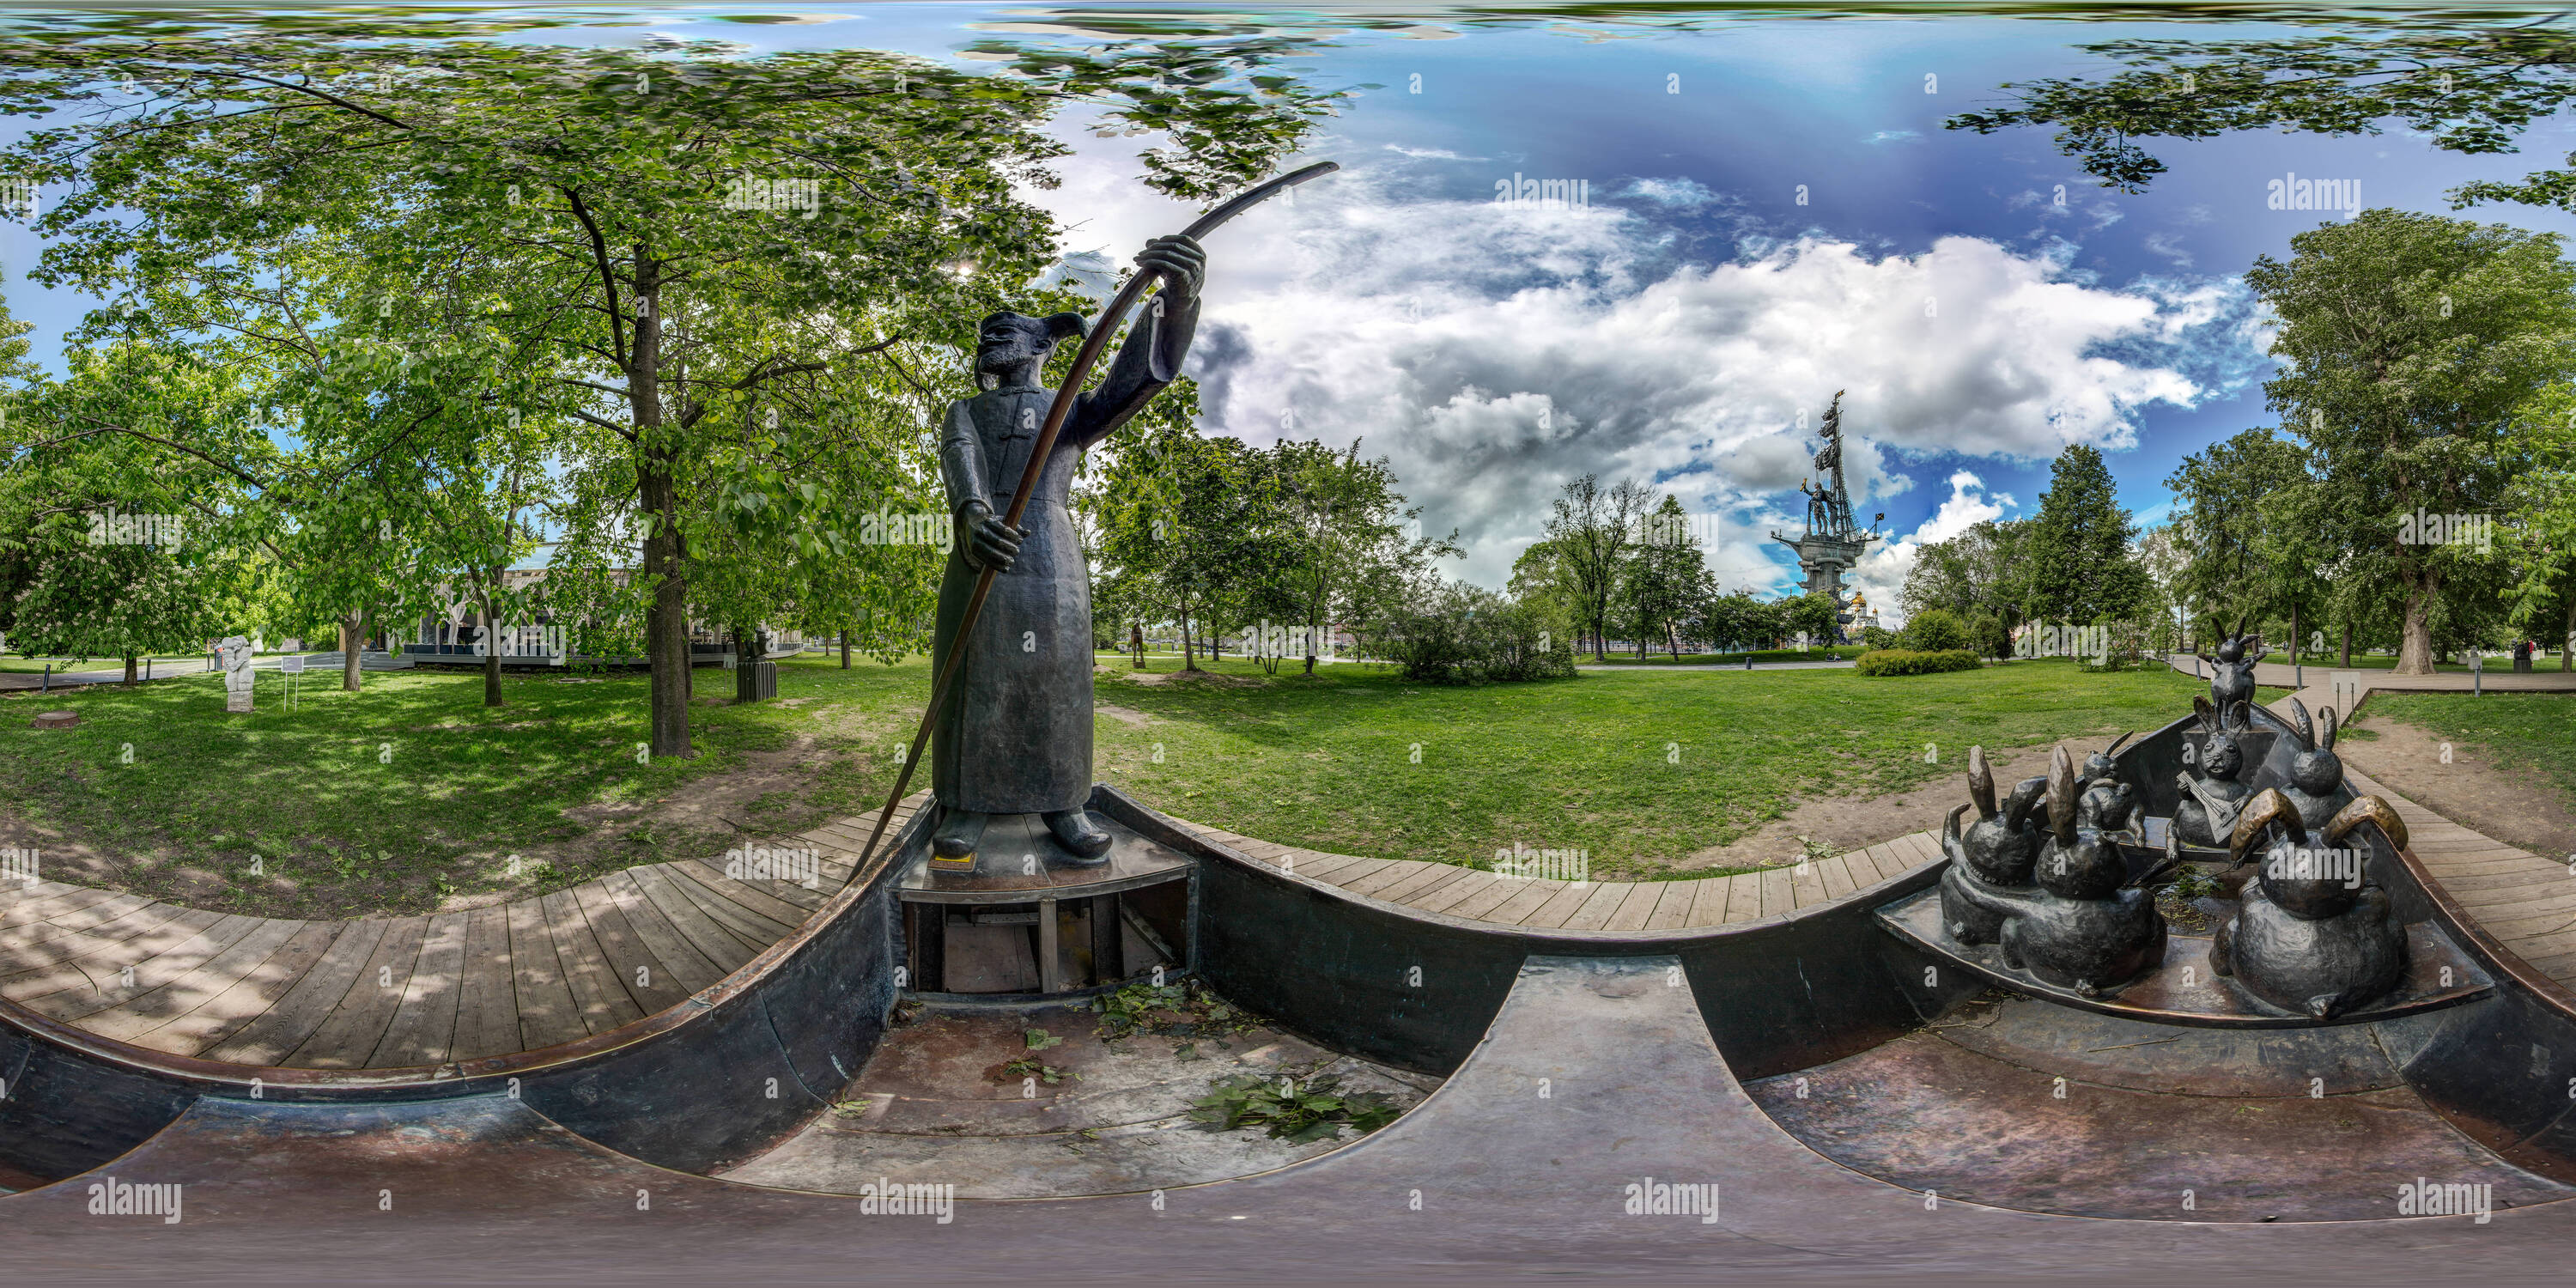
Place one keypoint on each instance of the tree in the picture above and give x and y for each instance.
(2243, 539)
(2469, 90)
(1981, 569)
(623, 216)
(2407, 342)
(1936, 630)
(1343, 517)
(2541, 538)
(2080, 569)
(1593, 530)
(1814, 615)
(1192, 526)
(1667, 577)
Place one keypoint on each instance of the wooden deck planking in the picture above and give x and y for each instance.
(1743, 898)
(1673, 905)
(548, 1014)
(1432, 879)
(688, 968)
(1447, 896)
(151, 974)
(47, 946)
(349, 1035)
(423, 1028)
(1634, 911)
(131, 1020)
(752, 930)
(649, 984)
(274, 1034)
(1487, 899)
(704, 933)
(1519, 904)
(487, 995)
(259, 991)
(1562, 906)
(745, 894)
(1708, 901)
(598, 997)
(1396, 870)
(1837, 876)
(1779, 897)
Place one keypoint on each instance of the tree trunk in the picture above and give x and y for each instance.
(2346, 663)
(350, 644)
(491, 654)
(2297, 641)
(1189, 645)
(133, 671)
(2567, 642)
(666, 623)
(2415, 646)
(845, 650)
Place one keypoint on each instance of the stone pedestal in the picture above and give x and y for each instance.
(237, 702)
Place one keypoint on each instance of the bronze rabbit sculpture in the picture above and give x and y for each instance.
(2081, 929)
(1990, 862)
(2212, 798)
(2310, 936)
(2316, 774)
(2231, 673)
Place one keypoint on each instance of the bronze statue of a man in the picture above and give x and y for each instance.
(1014, 736)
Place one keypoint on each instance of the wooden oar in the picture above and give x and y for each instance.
(1092, 344)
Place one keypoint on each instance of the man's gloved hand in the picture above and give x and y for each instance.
(990, 543)
(1181, 263)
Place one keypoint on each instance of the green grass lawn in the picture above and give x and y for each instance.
(2521, 730)
(407, 794)
(395, 798)
(1639, 769)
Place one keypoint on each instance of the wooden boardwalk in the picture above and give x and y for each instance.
(1594, 905)
(401, 992)
(2523, 902)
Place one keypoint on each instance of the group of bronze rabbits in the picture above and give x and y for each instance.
(2042, 873)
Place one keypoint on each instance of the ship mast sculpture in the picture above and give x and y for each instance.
(1834, 541)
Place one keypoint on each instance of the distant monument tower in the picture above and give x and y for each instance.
(1833, 541)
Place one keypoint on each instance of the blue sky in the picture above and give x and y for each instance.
(1674, 328)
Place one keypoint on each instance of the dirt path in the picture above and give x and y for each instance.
(2517, 806)
(1857, 822)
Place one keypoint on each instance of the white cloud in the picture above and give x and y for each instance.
(1431, 154)
(1678, 194)
(1494, 352)
(1881, 573)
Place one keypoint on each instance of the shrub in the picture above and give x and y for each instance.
(1900, 661)
(1464, 634)
(1877, 637)
(1987, 636)
(1934, 630)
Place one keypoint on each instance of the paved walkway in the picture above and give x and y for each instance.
(400, 992)
(2320, 687)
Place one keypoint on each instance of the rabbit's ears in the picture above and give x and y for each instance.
(2233, 718)
(1981, 783)
(2061, 796)
(2326, 729)
(2299, 721)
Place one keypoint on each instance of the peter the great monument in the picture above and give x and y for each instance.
(1834, 541)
